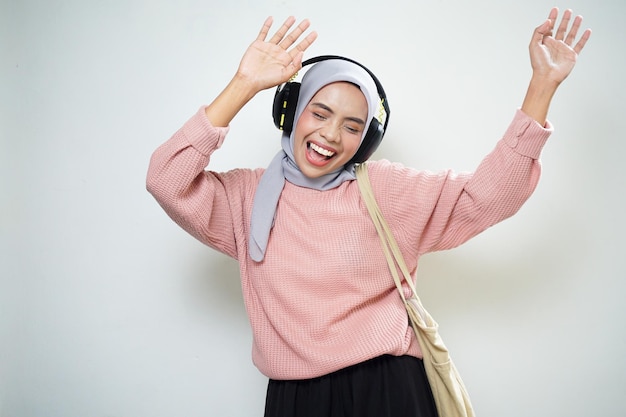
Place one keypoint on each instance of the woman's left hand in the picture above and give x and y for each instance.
(553, 56)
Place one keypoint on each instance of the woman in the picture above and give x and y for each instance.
(329, 328)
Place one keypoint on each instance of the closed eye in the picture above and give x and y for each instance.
(325, 111)
(353, 129)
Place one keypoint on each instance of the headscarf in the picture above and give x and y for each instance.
(283, 166)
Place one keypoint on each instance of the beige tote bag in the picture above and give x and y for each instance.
(451, 397)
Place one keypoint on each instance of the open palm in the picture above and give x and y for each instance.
(269, 63)
(554, 56)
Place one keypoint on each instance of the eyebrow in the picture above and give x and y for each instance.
(328, 109)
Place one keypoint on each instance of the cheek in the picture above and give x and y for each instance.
(351, 144)
(299, 132)
(304, 122)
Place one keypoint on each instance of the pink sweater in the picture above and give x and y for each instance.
(323, 297)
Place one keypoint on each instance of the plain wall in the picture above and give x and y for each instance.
(108, 309)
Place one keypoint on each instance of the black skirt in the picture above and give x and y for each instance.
(387, 386)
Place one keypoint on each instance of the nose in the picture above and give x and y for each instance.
(330, 132)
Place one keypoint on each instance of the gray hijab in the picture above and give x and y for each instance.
(283, 166)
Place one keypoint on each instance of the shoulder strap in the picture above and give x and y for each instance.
(389, 244)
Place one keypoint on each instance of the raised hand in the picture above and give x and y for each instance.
(553, 56)
(268, 63)
(265, 64)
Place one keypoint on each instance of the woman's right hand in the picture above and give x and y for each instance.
(265, 64)
(268, 63)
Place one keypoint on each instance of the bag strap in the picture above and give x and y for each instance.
(390, 246)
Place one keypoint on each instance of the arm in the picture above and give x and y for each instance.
(552, 59)
(197, 200)
(507, 176)
(448, 208)
(461, 206)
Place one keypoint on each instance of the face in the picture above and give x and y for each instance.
(329, 130)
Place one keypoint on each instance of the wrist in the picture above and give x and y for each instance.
(543, 84)
(242, 88)
(230, 101)
(538, 97)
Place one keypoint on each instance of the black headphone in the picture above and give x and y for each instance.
(286, 99)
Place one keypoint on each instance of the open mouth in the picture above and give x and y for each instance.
(320, 152)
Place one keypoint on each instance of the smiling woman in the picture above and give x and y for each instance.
(330, 331)
(329, 130)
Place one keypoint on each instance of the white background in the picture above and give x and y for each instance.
(108, 309)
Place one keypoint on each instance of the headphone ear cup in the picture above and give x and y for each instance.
(284, 109)
(370, 143)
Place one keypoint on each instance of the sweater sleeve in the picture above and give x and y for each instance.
(446, 209)
(195, 199)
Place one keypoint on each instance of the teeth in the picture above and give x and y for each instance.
(322, 151)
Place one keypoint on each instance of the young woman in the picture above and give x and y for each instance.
(329, 329)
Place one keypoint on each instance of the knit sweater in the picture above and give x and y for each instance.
(323, 298)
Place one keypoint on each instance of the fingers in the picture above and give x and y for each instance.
(280, 34)
(265, 29)
(293, 36)
(545, 29)
(564, 33)
(560, 32)
(574, 30)
(304, 43)
(582, 41)
(554, 13)
(286, 40)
